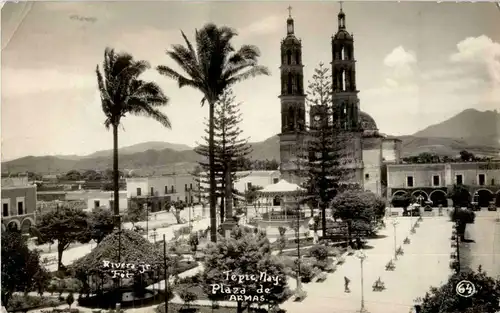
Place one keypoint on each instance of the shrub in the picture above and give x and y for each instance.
(321, 277)
(70, 299)
(185, 230)
(187, 296)
(19, 302)
(306, 272)
(319, 252)
(282, 230)
(300, 295)
(399, 251)
(406, 241)
(390, 266)
(281, 243)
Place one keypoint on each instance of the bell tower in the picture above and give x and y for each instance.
(292, 100)
(345, 101)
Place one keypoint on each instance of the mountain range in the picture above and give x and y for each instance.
(472, 130)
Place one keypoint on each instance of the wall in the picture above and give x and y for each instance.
(391, 150)
(104, 202)
(178, 181)
(10, 196)
(470, 172)
(372, 160)
(256, 178)
(422, 175)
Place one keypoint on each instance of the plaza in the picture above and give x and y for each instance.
(425, 263)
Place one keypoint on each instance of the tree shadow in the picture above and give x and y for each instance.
(378, 236)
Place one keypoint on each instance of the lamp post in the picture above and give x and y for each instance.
(457, 238)
(147, 218)
(297, 230)
(394, 224)
(362, 257)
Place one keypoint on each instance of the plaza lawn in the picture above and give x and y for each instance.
(304, 252)
(19, 302)
(292, 243)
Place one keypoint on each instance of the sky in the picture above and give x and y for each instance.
(418, 63)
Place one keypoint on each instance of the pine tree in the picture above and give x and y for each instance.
(325, 170)
(230, 148)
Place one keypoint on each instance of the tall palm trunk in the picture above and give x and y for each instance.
(211, 163)
(116, 196)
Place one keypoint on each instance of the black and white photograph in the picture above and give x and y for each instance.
(250, 157)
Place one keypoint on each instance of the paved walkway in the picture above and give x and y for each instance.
(429, 249)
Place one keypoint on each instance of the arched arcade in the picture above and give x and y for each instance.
(438, 197)
(483, 197)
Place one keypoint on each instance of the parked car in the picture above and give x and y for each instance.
(492, 207)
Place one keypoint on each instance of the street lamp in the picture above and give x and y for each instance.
(362, 257)
(299, 285)
(394, 224)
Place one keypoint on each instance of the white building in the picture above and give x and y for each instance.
(162, 189)
(103, 199)
(248, 179)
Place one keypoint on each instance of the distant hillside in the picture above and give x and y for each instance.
(156, 161)
(141, 147)
(450, 147)
(472, 126)
(471, 130)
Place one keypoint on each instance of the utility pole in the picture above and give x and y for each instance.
(457, 238)
(165, 272)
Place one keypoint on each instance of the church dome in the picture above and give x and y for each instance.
(343, 34)
(367, 122)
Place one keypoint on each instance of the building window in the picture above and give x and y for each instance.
(276, 180)
(289, 57)
(185, 187)
(493, 182)
(5, 207)
(481, 179)
(190, 186)
(186, 199)
(20, 207)
(138, 191)
(249, 186)
(289, 86)
(367, 176)
(459, 179)
(152, 191)
(435, 180)
(409, 181)
(111, 202)
(166, 189)
(172, 189)
(96, 204)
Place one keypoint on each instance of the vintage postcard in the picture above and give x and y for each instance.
(250, 156)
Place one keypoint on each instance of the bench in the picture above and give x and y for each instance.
(49, 260)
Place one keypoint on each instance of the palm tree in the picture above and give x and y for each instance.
(123, 92)
(211, 68)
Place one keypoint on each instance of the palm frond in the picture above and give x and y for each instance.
(181, 80)
(252, 72)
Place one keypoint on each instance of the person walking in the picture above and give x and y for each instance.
(346, 284)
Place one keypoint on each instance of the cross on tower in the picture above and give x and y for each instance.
(289, 11)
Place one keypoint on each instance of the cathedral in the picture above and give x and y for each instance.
(368, 150)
